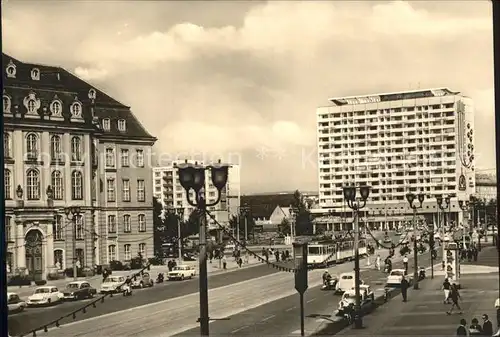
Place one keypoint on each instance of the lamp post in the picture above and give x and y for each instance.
(410, 197)
(356, 204)
(243, 212)
(192, 177)
(72, 214)
(293, 215)
(464, 206)
(443, 206)
(178, 212)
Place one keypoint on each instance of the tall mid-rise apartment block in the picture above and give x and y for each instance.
(401, 142)
(169, 192)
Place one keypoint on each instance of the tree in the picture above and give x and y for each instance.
(158, 226)
(236, 222)
(303, 219)
(284, 227)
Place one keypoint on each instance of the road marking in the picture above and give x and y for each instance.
(239, 329)
(290, 309)
(311, 300)
(268, 318)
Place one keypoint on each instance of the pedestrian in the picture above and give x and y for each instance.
(455, 296)
(277, 255)
(404, 288)
(224, 263)
(240, 262)
(475, 253)
(487, 326)
(446, 289)
(377, 262)
(104, 275)
(475, 329)
(405, 264)
(462, 328)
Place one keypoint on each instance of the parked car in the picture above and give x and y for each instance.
(143, 281)
(78, 290)
(112, 284)
(345, 282)
(349, 296)
(181, 272)
(14, 303)
(395, 277)
(45, 295)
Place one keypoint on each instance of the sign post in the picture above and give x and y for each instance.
(300, 258)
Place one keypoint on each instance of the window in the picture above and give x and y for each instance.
(111, 253)
(32, 146)
(76, 149)
(7, 145)
(33, 185)
(92, 94)
(76, 110)
(57, 185)
(35, 74)
(127, 226)
(142, 250)
(110, 158)
(126, 252)
(125, 161)
(126, 190)
(111, 189)
(111, 223)
(80, 258)
(80, 228)
(139, 158)
(55, 148)
(8, 228)
(6, 104)
(59, 259)
(76, 185)
(106, 125)
(58, 228)
(122, 125)
(7, 176)
(56, 108)
(11, 70)
(141, 219)
(31, 106)
(141, 190)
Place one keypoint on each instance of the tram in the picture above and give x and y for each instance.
(326, 253)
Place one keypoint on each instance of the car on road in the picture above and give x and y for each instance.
(45, 295)
(112, 284)
(78, 290)
(181, 272)
(395, 277)
(387, 239)
(14, 303)
(367, 297)
(142, 281)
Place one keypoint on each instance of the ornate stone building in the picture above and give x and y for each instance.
(68, 144)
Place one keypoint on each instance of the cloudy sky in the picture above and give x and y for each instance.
(241, 80)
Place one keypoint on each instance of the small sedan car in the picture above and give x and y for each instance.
(45, 295)
(78, 290)
(112, 284)
(143, 281)
(14, 303)
(181, 272)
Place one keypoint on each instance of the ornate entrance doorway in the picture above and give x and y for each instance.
(34, 254)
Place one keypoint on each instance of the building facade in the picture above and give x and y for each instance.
(486, 186)
(168, 190)
(411, 141)
(64, 143)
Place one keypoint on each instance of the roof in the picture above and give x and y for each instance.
(262, 206)
(54, 80)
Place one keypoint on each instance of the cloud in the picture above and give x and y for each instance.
(251, 85)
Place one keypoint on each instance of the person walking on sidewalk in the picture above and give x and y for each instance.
(377, 262)
(455, 296)
(405, 264)
(462, 328)
(446, 288)
(487, 326)
(224, 263)
(404, 288)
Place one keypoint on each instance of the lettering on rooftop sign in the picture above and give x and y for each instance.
(406, 95)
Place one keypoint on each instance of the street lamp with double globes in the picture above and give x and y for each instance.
(72, 214)
(293, 223)
(192, 177)
(356, 204)
(443, 205)
(410, 197)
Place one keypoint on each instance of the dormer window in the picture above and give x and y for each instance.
(106, 125)
(122, 125)
(56, 108)
(92, 94)
(35, 74)
(11, 70)
(76, 110)
(31, 103)
(6, 104)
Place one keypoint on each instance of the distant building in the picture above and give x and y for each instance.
(486, 186)
(169, 192)
(66, 143)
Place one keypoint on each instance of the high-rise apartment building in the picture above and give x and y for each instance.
(411, 141)
(169, 192)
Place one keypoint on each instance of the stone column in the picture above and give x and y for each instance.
(20, 252)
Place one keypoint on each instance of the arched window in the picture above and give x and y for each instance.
(31, 106)
(32, 146)
(111, 253)
(7, 145)
(76, 110)
(55, 148)
(6, 104)
(7, 180)
(56, 108)
(59, 259)
(57, 185)
(33, 185)
(76, 185)
(76, 149)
